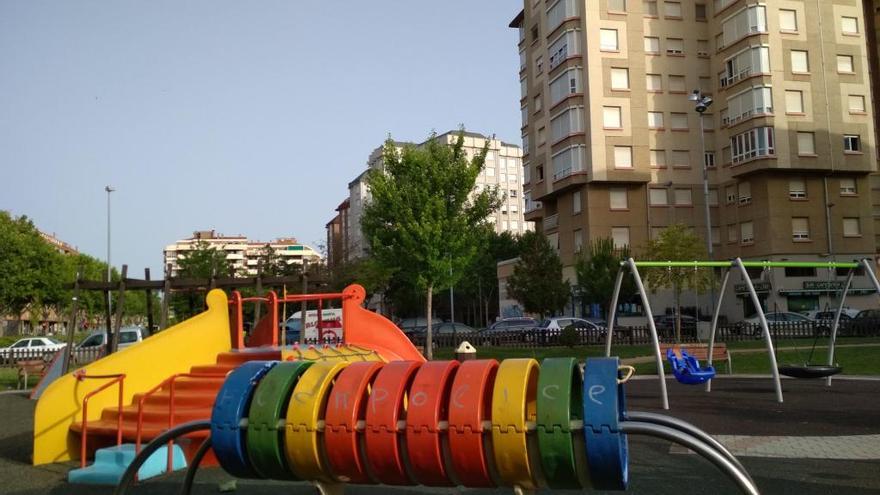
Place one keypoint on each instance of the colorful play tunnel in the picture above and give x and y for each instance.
(479, 423)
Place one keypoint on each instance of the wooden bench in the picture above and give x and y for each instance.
(27, 368)
(701, 353)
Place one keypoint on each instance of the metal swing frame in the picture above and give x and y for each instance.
(738, 264)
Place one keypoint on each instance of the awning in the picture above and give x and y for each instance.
(819, 292)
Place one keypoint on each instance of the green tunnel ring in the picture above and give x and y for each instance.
(559, 401)
(265, 441)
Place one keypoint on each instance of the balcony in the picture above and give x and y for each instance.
(551, 222)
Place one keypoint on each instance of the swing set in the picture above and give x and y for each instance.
(688, 371)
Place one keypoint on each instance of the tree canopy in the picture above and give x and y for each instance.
(537, 281)
(596, 268)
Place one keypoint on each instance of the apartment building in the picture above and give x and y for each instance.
(614, 147)
(503, 170)
(242, 254)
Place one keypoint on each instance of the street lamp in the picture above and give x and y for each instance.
(109, 269)
(701, 104)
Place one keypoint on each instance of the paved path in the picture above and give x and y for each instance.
(849, 447)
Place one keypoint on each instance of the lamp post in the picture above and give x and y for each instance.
(701, 104)
(108, 296)
(109, 190)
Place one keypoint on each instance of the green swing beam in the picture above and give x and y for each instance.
(747, 264)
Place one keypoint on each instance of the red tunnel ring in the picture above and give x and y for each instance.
(428, 406)
(470, 403)
(384, 408)
(345, 407)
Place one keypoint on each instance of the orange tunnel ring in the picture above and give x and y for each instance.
(428, 408)
(470, 403)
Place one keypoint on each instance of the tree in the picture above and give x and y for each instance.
(537, 281)
(201, 262)
(423, 218)
(596, 269)
(481, 281)
(677, 242)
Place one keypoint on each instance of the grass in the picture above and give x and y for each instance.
(9, 379)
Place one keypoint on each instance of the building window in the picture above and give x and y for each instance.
(618, 198)
(553, 240)
(656, 232)
(752, 19)
(568, 122)
(788, 20)
(674, 46)
(653, 82)
(746, 233)
(559, 11)
(849, 25)
(684, 197)
(845, 64)
(650, 8)
(608, 40)
(709, 159)
(703, 50)
(575, 202)
(851, 227)
(848, 186)
(677, 84)
(806, 143)
(567, 83)
(732, 233)
(620, 235)
(539, 64)
(540, 171)
(716, 235)
(800, 61)
(755, 60)
(611, 118)
(658, 158)
(681, 159)
(794, 101)
(751, 102)
(616, 5)
(708, 121)
(730, 192)
(713, 197)
(623, 157)
(619, 78)
(539, 103)
(700, 11)
(652, 44)
(524, 115)
(565, 46)
(542, 135)
(568, 161)
(851, 143)
(672, 10)
(655, 120)
(752, 144)
(678, 121)
(800, 229)
(578, 240)
(856, 103)
(744, 192)
(799, 271)
(658, 197)
(797, 189)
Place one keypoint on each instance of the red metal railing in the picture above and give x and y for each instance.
(117, 378)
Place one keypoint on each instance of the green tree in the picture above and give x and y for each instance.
(202, 262)
(422, 220)
(677, 242)
(537, 281)
(596, 268)
(481, 280)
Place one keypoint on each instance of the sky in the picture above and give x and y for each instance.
(243, 117)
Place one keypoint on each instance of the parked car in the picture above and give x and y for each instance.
(412, 325)
(449, 328)
(548, 331)
(828, 314)
(784, 322)
(31, 347)
(508, 324)
(128, 336)
(865, 322)
(666, 325)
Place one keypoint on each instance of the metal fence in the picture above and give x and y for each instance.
(11, 358)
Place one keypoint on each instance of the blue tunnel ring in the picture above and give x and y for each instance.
(604, 408)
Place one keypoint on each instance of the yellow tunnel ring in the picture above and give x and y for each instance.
(514, 407)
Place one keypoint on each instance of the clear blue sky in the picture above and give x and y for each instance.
(245, 117)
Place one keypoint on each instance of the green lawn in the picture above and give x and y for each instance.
(9, 379)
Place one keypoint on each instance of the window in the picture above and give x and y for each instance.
(575, 202)
(653, 82)
(616, 5)
(539, 103)
(672, 9)
(746, 233)
(567, 83)
(655, 120)
(700, 11)
(619, 78)
(674, 46)
(677, 84)
(565, 46)
(730, 191)
(800, 61)
(567, 162)
(851, 227)
(608, 40)
(618, 198)
(540, 170)
(716, 235)
(856, 103)
(578, 240)
(652, 44)
(744, 190)
(703, 50)
(681, 159)
(611, 118)
(708, 121)
(539, 64)
(732, 233)
(709, 159)
(570, 121)
(794, 101)
(542, 138)
(658, 197)
(797, 188)
(524, 115)
(620, 235)
(679, 121)
(750, 61)
(623, 157)
(798, 271)
(560, 11)
(800, 229)
(849, 25)
(658, 158)
(751, 102)
(750, 20)
(684, 197)
(848, 186)
(845, 64)
(512, 193)
(656, 232)
(713, 197)
(806, 143)
(788, 20)
(553, 240)
(753, 143)
(650, 7)
(851, 143)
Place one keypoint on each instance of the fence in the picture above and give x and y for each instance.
(9, 358)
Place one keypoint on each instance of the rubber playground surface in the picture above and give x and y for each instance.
(819, 441)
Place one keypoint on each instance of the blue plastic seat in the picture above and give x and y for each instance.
(687, 369)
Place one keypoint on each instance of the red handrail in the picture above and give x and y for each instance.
(117, 378)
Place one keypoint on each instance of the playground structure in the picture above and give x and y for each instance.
(369, 410)
(807, 370)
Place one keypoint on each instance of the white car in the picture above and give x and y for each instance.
(31, 347)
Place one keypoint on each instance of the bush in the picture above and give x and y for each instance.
(569, 336)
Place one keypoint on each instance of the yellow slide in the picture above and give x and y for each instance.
(196, 341)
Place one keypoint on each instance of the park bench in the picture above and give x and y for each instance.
(27, 368)
(701, 353)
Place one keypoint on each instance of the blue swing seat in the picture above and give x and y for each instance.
(687, 369)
